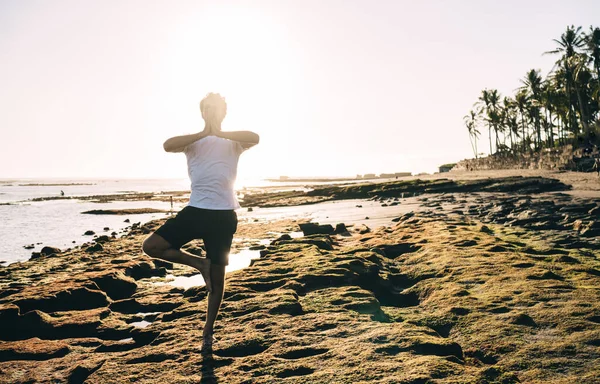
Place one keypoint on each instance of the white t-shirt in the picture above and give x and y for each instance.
(212, 167)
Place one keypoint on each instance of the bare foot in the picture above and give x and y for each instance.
(203, 265)
(207, 343)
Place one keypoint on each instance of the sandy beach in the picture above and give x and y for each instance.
(465, 277)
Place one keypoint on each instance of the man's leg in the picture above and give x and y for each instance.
(217, 274)
(156, 246)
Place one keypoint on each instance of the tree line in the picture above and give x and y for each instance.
(562, 108)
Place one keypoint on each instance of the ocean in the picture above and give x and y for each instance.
(60, 223)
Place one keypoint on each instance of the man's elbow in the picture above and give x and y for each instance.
(168, 147)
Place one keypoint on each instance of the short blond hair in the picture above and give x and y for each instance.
(215, 104)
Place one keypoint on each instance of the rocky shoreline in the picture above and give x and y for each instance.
(494, 281)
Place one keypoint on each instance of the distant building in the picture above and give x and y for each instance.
(446, 167)
(369, 176)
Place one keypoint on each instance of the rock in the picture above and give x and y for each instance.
(340, 229)
(129, 211)
(94, 248)
(80, 373)
(126, 221)
(250, 209)
(486, 229)
(591, 229)
(285, 236)
(102, 239)
(63, 298)
(35, 255)
(114, 234)
(30, 246)
(322, 242)
(89, 233)
(47, 251)
(394, 250)
(116, 285)
(363, 229)
(106, 229)
(33, 349)
(523, 319)
(315, 228)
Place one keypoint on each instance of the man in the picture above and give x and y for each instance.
(212, 158)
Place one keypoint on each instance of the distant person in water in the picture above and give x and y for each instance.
(212, 159)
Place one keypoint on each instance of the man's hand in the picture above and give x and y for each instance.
(246, 138)
(213, 128)
(208, 131)
(178, 143)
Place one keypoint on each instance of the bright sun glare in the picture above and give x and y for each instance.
(244, 55)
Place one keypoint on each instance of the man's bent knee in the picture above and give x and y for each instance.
(153, 246)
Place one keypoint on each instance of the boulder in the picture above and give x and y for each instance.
(340, 229)
(116, 285)
(285, 236)
(89, 233)
(50, 251)
(102, 239)
(63, 299)
(322, 242)
(316, 229)
(94, 248)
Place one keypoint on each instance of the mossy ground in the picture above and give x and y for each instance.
(437, 297)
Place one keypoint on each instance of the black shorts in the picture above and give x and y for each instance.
(214, 227)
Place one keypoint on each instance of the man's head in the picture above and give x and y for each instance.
(213, 108)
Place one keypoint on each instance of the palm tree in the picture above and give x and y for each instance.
(510, 120)
(494, 114)
(561, 103)
(522, 104)
(592, 42)
(569, 43)
(532, 84)
(471, 124)
(483, 106)
(556, 109)
(583, 83)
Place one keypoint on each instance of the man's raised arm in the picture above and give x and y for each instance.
(177, 143)
(246, 138)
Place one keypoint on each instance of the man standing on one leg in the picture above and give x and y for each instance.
(212, 159)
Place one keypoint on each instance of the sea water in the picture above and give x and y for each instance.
(60, 223)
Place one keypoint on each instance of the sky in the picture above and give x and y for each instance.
(334, 88)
